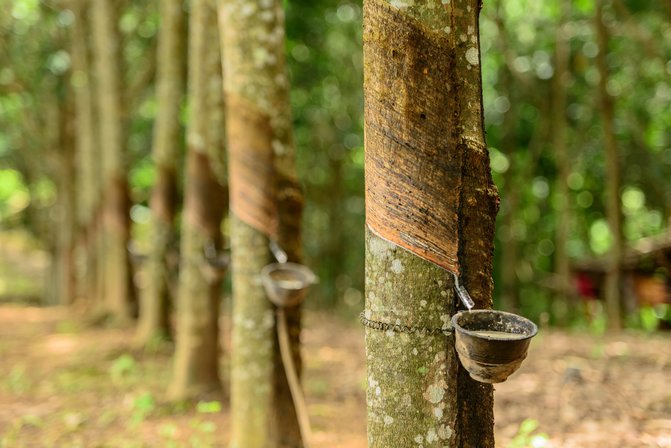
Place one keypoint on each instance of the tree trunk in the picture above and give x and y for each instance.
(426, 161)
(67, 188)
(336, 238)
(514, 178)
(613, 212)
(119, 294)
(86, 161)
(290, 201)
(196, 367)
(57, 108)
(564, 293)
(266, 202)
(510, 244)
(155, 298)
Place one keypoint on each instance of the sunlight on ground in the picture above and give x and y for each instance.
(65, 384)
(58, 344)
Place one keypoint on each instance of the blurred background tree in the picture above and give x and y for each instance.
(552, 177)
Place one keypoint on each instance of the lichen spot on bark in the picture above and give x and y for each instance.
(374, 385)
(247, 9)
(447, 322)
(266, 16)
(472, 56)
(435, 392)
(263, 57)
(398, 4)
(380, 248)
(445, 432)
(397, 266)
(278, 148)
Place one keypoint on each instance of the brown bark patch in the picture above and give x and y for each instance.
(251, 173)
(290, 204)
(117, 205)
(410, 129)
(207, 198)
(164, 195)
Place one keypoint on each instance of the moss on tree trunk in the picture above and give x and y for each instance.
(252, 341)
(412, 379)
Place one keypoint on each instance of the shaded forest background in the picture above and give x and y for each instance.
(578, 123)
(559, 95)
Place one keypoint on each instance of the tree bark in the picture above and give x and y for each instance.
(290, 202)
(118, 290)
(67, 188)
(266, 203)
(59, 134)
(196, 366)
(155, 298)
(613, 210)
(423, 95)
(519, 172)
(565, 293)
(510, 244)
(86, 161)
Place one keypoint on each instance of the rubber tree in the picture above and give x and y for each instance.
(155, 297)
(430, 208)
(196, 362)
(562, 75)
(67, 198)
(510, 205)
(87, 164)
(56, 104)
(117, 286)
(266, 203)
(611, 154)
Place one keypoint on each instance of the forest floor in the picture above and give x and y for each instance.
(66, 384)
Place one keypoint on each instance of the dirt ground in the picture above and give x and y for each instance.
(66, 384)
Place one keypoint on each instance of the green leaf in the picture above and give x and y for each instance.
(528, 426)
(208, 407)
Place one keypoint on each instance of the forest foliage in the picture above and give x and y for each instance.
(518, 40)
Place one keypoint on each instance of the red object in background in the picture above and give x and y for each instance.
(585, 286)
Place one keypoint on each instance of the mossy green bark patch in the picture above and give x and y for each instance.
(411, 376)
